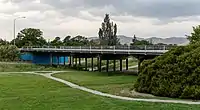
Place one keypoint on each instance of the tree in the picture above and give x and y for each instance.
(3, 42)
(108, 32)
(79, 41)
(174, 74)
(134, 39)
(9, 53)
(57, 42)
(142, 42)
(30, 37)
(66, 41)
(195, 35)
(94, 42)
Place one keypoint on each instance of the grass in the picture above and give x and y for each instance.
(26, 67)
(117, 84)
(104, 82)
(32, 92)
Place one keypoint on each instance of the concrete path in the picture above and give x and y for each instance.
(72, 85)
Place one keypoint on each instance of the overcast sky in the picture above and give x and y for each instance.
(145, 18)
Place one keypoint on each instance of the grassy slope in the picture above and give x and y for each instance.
(114, 84)
(31, 92)
(100, 81)
(25, 67)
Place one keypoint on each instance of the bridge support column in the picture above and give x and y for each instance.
(120, 64)
(114, 65)
(76, 62)
(79, 60)
(99, 63)
(51, 59)
(64, 61)
(92, 62)
(58, 60)
(127, 64)
(72, 65)
(85, 64)
(107, 66)
(70, 61)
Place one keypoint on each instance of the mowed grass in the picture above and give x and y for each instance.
(32, 92)
(27, 67)
(100, 81)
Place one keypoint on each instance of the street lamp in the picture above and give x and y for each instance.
(15, 26)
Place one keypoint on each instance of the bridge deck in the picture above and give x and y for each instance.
(146, 50)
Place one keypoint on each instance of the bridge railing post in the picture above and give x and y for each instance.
(164, 48)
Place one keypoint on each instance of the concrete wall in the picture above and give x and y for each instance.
(26, 57)
(43, 59)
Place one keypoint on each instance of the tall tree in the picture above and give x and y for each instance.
(195, 35)
(30, 37)
(108, 32)
(57, 42)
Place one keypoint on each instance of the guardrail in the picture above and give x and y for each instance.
(136, 47)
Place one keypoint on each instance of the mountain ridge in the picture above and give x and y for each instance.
(155, 40)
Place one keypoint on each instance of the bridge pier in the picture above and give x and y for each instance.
(51, 59)
(92, 62)
(121, 65)
(127, 64)
(107, 66)
(76, 62)
(64, 61)
(85, 64)
(114, 65)
(70, 61)
(99, 63)
(79, 60)
(58, 60)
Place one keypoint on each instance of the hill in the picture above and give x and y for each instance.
(154, 40)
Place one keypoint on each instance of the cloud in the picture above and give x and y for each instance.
(144, 18)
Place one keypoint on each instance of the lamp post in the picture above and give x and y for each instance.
(15, 26)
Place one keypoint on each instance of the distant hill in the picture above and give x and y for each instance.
(154, 40)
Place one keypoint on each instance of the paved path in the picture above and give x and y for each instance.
(72, 85)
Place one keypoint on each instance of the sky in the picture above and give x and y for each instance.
(144, 18)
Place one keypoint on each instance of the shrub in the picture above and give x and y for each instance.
(9, 53)
(175, 74)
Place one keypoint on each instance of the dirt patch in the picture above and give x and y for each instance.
(133, 93)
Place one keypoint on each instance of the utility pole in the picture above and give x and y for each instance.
(15, 27)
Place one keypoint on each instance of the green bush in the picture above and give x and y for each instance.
(175, 74)
(9, 53)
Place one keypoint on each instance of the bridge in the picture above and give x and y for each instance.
(49, 54)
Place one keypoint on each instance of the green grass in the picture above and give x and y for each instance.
(100, 81)
(31, 92)
(106, 82)
(26, 67)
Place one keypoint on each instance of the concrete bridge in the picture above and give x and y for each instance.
(75, 53)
